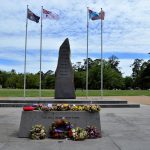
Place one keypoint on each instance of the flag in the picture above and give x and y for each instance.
(50, 15)
(95, 16)
(102, 15)
(32, 16)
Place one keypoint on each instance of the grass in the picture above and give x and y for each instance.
(50, 93)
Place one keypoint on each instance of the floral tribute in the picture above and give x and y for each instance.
(60, 129)
(63, 107)
(38, 132)
(79, 134)
(92, 132)
(92, 108)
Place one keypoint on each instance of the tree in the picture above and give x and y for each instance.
(128, 81)
(3, 78)
(90, 62)
(114, 62)
(144, 78)
(141, 74)
(48, 81)
(32, 81)
(136, 67)
(112, 78)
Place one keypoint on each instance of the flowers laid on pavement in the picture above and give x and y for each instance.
(92, 132)
(60, 129)
(79, 134)
(38, 132)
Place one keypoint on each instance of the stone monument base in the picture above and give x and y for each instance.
(77, 118)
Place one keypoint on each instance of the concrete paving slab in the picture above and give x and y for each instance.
(122, 129)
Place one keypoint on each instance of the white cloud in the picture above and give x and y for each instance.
(126, 29)
(124, 66)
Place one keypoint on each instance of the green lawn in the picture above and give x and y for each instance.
(50, 93)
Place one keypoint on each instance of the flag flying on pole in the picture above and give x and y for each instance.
(32, 16)
(95, 16)
(50, 15)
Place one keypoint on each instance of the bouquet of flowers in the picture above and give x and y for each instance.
(60, 129)
(28, 108)
(92, 132)
(61, 107)
(57, 107)
(46, 108)
(92, 108)
(38, 132)
(77, 108)
(65, 107)
(38, 106)
(79, 134)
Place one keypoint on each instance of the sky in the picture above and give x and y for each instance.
(126, 32)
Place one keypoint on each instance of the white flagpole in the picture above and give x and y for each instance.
(101, 56)
(41, 54)
(25, 58)
(87, 53)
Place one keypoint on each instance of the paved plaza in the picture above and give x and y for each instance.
(122, 129)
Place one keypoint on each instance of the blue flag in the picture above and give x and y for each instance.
(95, 16)
(32, 16)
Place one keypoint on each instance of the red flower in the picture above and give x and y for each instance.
(70, 134)
(28, 108)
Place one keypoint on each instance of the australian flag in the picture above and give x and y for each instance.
(32, 16)
(95, 16)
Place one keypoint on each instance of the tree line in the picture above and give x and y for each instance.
(112, 76)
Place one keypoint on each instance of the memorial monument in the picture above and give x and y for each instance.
(64, 75)
(64, 89)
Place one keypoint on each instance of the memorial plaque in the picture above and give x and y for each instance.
(64, 75)
(77, 118)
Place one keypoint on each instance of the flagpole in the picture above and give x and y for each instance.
(25, 56)
(87, 54)
(101, 56)
(40, 54)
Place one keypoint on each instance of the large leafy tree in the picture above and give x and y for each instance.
(112, 76)
(114, 62)
(141, 73)
(144, 77)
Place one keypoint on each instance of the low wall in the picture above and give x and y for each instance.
(77, 118)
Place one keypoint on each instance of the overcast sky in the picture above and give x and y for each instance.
(126, 32)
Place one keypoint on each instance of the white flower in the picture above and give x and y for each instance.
(49, 105)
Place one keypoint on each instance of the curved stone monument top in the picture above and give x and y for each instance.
(64, 75)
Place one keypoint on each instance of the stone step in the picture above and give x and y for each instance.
(102, 105)
(120, 105)
(65, 101)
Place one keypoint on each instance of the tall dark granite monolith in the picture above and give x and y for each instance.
(64, 76)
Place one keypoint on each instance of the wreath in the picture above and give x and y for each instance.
(38, 132)
(60, 129)
(92, 132)
(78, 134)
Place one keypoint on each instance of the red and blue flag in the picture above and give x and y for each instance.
(32, 16)
(95, 16)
